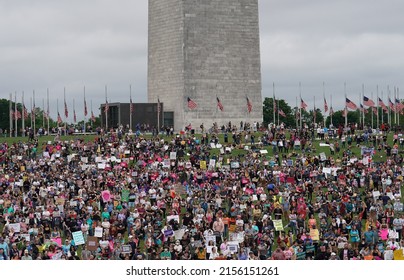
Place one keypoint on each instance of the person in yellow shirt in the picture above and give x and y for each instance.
(201, 253)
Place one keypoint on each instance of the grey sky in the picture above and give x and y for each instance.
(52, 44)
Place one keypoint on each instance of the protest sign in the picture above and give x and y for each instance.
(98, 232)
(278, 225)
(92, 243)
(78, 237)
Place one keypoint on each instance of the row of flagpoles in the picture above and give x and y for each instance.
(23, 113)
(396, 108)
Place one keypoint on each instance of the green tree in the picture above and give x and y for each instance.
(268, 110)
(338, 118)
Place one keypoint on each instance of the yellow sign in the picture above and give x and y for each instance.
(278, 225)
(398, 254)
(202, 164)
(314, 234)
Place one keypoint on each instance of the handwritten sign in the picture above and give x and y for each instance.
(278, 225)
(78, 237)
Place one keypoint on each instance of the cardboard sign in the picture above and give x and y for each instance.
(278, 225)
(92, 243)
(78, 237)
(173, 155)
(323, 157)
(98, 232)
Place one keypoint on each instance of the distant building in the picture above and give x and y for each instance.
(208, 51)
(143, 113)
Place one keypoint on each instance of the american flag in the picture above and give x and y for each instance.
(74, 116)
(303, 104)
(25, 112)
(325, 105)
(131, 106)
(85, 107)
(92, 116)
(391, 105)
(12, 114)
(368, 102)
(59, 118)
(345, 113)
(45, 115)
(158, 106)
(282, 113)
(375, 110)
(350, 104)
(106, 109)
(249, 105)
(362, 109)
(331, 111)
(381, 104)
(17, 114)
(399, 105)
(66, 110)
(219, 104)
(191, 104)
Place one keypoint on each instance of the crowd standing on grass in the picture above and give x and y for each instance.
(204, 197)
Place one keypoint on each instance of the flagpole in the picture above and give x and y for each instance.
(346, 110)
(57, 116)
(324, 101)
(331, 113)
(399, 107)
(91, 118)
(300, 107)
(296, 115)
(74, 111)
(31, 111)
(15, 115)
(158, 114)
(43, 113)
(372, 109)
(130, 107)
(34, 113)
(278, 113)
(395, 106)
(11, 115)
(389, 109)
(47, 109)
(85, 110)
(314, 113)
(65, 104)
(273, 101)
(363, 113)
(106, 111)
(377, 106)
(23, 115)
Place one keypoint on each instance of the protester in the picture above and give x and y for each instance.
(192, 198)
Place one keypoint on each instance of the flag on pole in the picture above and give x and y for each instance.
(131, 105)
(368, 102)
(399, 105)
(92, 116)
(375, 110)
(74, 116)
(249, 105)
(25, 112)
(158, 106)
(344, 112)
(219, 104)
(191, 104)
(17, 114)
(106, 109)
(85, 107)
(282, 113)
(325, 105)
(66, 110)
(59, 118)
(12, 114)
(391, 105)
(381, 104)
(350, 104)
(303, 104)
(362, 109)
(331, 111)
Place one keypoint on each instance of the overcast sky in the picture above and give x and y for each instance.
(56, 44)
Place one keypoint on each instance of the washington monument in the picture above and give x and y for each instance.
(206, 52)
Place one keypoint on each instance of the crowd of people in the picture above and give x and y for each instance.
(254, 195)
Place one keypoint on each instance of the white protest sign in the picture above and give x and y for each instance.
(98, 232)
(178, 234)
(212, 164)
(173, 217)
(78, 237)
(173, 155)
(376, 194)
(84, 159)
(16, 227)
